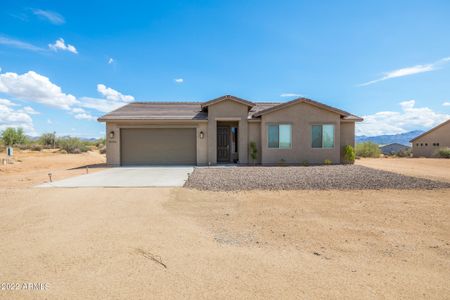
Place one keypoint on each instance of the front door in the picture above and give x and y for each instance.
(223, 144)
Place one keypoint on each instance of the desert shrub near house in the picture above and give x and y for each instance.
(71, 145)
(404, 153)
(12, 136)
(253, 152)
(349, 154)
(444, 153)
(48, 140)
(367, 149)
(327, 162)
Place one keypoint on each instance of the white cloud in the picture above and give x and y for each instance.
(113, 95)
(29, 110)
(19, 44)
(85, 116)
(101, 105)
(51, 16)
(446, 103)
(49, 121)
(290, 95)
(15, 118)
(7, 102)
(179, 80)
(78, 110)
(110, 60)
(61, 45)
(393, 122)
(34, 87)
(410, 71)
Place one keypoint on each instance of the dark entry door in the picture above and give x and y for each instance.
(223, 144)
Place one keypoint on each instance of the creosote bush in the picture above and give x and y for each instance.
(367, 149)
(71, 145)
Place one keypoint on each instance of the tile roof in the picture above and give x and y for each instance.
(196, 110)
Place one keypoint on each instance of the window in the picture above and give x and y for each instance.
(322, 136)
(437, 144)
(426, 144)
(279, 136)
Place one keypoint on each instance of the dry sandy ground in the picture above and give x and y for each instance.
(430, 168)
(182, 243)
(31, 167)
(105, 243)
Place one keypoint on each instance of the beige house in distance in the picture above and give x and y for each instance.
(428, 143)
(220, 131)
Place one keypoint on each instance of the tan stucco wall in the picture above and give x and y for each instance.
(113, 145)
(440, 135)
(254, 135)
(227, 110)
(347, 136)
(302, 116)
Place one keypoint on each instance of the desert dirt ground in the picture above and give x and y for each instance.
(148, 243)
(430, 168)
(32, 167)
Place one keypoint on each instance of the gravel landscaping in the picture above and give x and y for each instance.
(343, 177)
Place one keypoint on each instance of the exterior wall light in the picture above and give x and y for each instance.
(202, 135)
(111, 134)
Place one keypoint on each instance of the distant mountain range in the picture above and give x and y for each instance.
(402, 138)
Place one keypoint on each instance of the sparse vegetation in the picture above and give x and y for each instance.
(404, 153)
(444, 153)
(13, 136)
(71, 145)
(367, 149)
(327, 162)
(253, 152)
(349, 154)
(305, 163)
(48, 140)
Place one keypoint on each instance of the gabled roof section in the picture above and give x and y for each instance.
(345, 115)
(157, 111)
(227, 97)
(432, 129)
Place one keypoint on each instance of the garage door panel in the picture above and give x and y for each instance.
(158, 146)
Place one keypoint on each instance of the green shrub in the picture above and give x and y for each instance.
(444, 153)
(305, 163)
(253, 151)
(36, 147)
(12, 136)
(349, 154)
(327, 162)
(404, 153)
(71, 145)
(367, 149)
(48, 140)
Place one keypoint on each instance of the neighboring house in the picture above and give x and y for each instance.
(427, 144)
(393, 148)
(220, 131)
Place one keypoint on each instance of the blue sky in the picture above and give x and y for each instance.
(64, 63)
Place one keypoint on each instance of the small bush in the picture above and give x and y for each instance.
(253, 152)
(305, 163)
(12, 136)
(444, 153)
(404, 153)
(327, 162)
(367, 149)
(36, 147)
(71, 145)
(48, 140)
(102, 150)
(349, 154)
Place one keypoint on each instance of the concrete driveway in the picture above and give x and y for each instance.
(128, 177)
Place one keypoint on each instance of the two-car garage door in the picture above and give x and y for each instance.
(158, 146)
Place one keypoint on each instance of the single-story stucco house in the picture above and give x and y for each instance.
(428, 143)
(221, 130)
